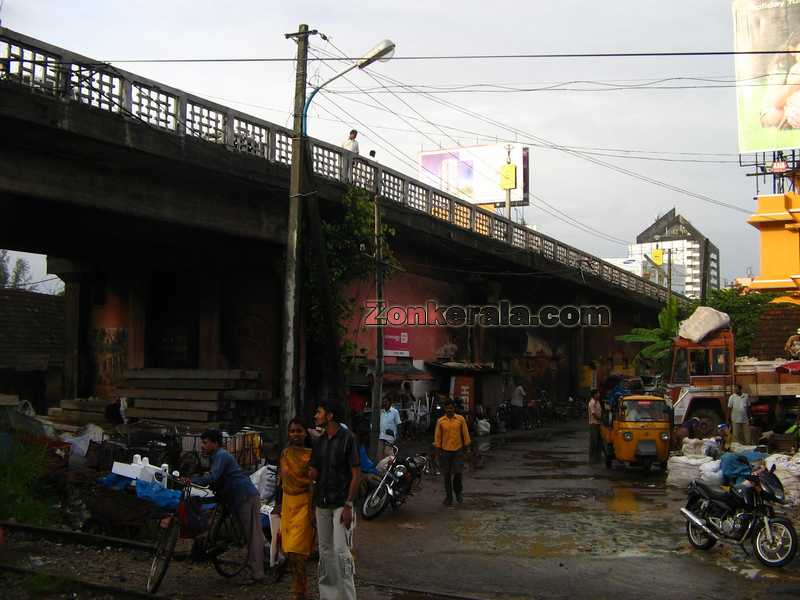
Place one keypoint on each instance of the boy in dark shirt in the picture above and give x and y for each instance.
(335, 472)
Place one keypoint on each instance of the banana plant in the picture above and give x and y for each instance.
(658, 341)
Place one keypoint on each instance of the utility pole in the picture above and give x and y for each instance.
(377, 384)
(291, 305)
(669, 274)
(508, 189)
(704, 275)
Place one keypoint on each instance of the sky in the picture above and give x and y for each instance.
(672, 121)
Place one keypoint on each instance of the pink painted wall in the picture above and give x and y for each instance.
(404, 289)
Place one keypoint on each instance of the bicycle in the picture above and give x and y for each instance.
(224, 542)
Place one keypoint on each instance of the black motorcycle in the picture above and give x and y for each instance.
(713, 515)
(396, 485)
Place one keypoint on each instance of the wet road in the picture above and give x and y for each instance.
(538, 521)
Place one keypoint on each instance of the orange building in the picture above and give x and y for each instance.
(778, 220)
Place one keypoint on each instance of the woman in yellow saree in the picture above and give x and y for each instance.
(297, 533)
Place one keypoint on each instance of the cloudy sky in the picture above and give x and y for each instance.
(656, 124)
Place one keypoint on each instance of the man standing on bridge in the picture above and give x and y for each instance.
(350, 143)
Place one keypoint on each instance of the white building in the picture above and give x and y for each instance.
(673, 235)
(646, 267)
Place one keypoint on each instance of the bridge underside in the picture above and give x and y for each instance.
(167, 237)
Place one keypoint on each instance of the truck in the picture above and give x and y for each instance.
(704, 374)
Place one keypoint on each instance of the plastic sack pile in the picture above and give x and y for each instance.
(787, 468)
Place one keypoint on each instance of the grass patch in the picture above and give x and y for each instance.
(43, 586)
(21, 469)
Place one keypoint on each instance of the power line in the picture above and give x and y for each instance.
(582, 149)
(581, 155)
(554, 211)
(542, 55)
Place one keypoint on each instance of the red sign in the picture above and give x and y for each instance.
(463, 386)
(395, 342)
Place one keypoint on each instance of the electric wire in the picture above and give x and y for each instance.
(583, 156)
(464, 57)
(554, 211)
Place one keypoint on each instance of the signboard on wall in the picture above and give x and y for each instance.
(395, 342)
(463, 386)
(478, 174)
(767, 85)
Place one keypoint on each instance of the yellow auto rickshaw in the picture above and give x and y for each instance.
(636, 430)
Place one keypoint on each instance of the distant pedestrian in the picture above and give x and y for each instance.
(595, 415)
(335, 472)
(390, 426)
(518, 406)
(739, 415)
(451, 440)
(350, 143)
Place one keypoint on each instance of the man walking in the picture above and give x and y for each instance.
(739, 415)
(451, 439)
(335, 472)
(390, 425)
(235, 489)
(595, 413)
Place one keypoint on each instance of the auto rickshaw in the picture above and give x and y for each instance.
(636, 430)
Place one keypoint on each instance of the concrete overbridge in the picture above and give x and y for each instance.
(169, 213)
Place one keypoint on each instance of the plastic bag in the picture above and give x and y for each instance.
(266, 481)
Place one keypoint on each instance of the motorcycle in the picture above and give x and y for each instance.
(745, 512)
(396, 485)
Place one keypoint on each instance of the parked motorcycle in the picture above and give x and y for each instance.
(745, 512)
(396, 485)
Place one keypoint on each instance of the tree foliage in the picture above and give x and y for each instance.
(18, 276)
(658, 341)
(744, 309)
(350, 245)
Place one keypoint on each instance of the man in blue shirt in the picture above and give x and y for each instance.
(233, 487)
(390, 426)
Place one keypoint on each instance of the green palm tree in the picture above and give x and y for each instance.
(658, 340)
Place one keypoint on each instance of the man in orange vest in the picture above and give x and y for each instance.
(451, 440)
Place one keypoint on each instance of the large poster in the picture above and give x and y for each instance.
(767, 85)
(473, 173)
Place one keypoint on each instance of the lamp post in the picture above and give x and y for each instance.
(292, 290)
(380, 53)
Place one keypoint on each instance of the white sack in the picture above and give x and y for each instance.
(703, 321)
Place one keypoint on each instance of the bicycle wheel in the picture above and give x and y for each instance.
(227, 545)
(163, 554)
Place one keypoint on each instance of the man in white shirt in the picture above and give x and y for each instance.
(350, 143)
(517, 404)
(739, 415)
(390, 426)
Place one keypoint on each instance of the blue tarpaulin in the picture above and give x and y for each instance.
(155, 494)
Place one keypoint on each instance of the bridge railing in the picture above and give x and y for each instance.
(50, 70)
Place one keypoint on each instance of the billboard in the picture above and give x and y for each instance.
(767, 85)
(476, 173)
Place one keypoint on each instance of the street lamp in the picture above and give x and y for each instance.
(292, 289)
(380, 53)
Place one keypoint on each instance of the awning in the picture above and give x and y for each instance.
(792, 367)
(403, 372)
(464, 367)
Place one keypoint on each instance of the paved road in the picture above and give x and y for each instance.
(538, 522)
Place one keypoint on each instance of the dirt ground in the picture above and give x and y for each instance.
(537, 522)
